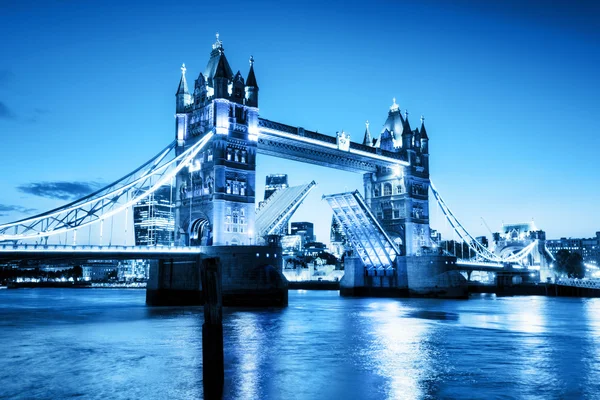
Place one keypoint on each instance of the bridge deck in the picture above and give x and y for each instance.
(295, 143)
(59, 252)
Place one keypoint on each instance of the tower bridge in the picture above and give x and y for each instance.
(210, 168)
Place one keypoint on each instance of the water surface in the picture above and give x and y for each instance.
(107, 344)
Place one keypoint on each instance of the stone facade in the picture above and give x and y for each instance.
(215, 200)
(399, 197)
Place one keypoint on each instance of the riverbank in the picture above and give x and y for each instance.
(541, 289)
(76, 285)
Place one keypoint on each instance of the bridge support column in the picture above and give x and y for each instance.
(212, 330)
(382, 283)
(251, 277)
(174, 282)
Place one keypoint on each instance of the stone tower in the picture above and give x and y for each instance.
(400, 197)
(216, 192)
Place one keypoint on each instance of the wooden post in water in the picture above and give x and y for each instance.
(212, 330)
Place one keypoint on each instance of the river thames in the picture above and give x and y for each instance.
(107, 344)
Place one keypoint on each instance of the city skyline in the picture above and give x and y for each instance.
(532, 153)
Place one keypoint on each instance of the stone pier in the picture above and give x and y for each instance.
(251, 276)
(413, 276)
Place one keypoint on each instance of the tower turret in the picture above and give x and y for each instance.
(424, 137)
(183, 95)
(368, 139)
(251, 86)
(394, 122)
(238, 91)
(417, 139)
(221, 79)
(200, 91)
(407, 135)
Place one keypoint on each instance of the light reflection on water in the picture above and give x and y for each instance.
(108, 344)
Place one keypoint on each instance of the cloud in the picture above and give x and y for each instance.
(5, 112)
(9, 208)
(59, 190)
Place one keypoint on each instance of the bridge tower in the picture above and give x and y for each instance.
(216, 192)
(399, 197)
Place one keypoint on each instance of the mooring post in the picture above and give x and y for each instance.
(212, 330)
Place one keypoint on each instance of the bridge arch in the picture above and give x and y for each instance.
(200, 232)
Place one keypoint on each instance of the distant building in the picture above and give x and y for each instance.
(154, 219)
(589, 248)
(337, 238)
(274, 182)
(306, 230)
(130, 270)
(99, 270)
(483, 240)
(104, 270)
(313, 249)
(517, 232)
(291, 244)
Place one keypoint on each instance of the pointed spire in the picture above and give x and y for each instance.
(251, 80)
(368, 140)
(182, 89)
(422, 130)
(218, 44)
(201, 81)
(238, 77)
(406, 129)
(222, 70)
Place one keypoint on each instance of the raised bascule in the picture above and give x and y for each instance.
(211, 175)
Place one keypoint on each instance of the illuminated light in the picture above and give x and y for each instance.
(396, 170)
(221, 130)
(185, 158)
(194, 166)
(253, 130)
(99, 249)
(333, 146)
(253, 138)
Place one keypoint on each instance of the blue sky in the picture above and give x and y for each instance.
(509, 91)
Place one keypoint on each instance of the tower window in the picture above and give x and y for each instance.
(387, 189)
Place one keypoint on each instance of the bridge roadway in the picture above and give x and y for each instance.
(92, 252)
(469, 266)
(296, 143)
